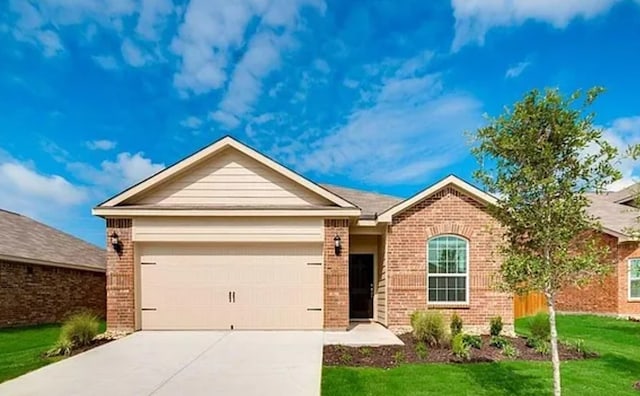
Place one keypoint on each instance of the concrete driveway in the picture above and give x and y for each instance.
(186, 363)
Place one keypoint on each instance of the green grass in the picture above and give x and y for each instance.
(613, 373)
(21, 348)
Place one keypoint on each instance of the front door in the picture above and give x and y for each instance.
(361, 286)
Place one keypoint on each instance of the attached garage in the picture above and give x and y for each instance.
(231, 286)
(226, 239)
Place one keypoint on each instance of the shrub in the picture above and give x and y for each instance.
(456, 324)
(580, 347)
(510, 351)
(399, 357)
(541, 346)
(62, 347)
(495, 326)
(459, 348)
(540, 328)
(421, 350)
(498, 342)
(80, 328)
(365, 351)
(428, 326)
(472, 341)
(346, 358)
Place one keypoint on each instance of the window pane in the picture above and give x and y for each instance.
(635, 289)
(432, 295)
(442, 295)
(451, 295)
(461, 295)
(634, 269)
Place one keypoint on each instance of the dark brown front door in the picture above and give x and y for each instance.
(361, 286)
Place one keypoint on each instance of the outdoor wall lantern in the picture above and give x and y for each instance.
(115, 243)
(337, 244)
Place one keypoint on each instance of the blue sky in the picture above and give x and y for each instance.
(95, 95)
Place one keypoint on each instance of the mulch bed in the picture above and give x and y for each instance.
(393, 355)
(94, 343)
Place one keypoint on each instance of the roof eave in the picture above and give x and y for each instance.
(27, 260)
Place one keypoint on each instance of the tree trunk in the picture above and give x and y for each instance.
(555, 356)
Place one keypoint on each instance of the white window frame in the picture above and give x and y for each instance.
(466, 274)
(629, 279)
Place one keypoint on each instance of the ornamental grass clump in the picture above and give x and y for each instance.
(428, 327)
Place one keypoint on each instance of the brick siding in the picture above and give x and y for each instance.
(33, 294)
(336, 275)
(598, 296)
(610, 295)
(446, 212)
(120, 278)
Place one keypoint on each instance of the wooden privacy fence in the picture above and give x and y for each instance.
(529, 304)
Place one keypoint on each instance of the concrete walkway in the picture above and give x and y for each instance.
(185, 363)
(362, 334)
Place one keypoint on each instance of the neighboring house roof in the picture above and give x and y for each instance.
(616, 219)
(625, 195)
(208, 152)
(26, 240)
(370, 203)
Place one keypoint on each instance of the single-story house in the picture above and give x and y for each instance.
(619, 293)
(227, 238)
(46, 274)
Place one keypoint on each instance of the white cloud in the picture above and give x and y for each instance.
(212, 33)
(262, 57)
(36, 19)
(25, 190)
(349, 83)
(322, 66)
(106, 62)
(101, 144)
(191, 122)
(229, 121)
(410, 127)
(621, 133)
(516, 70)
(474, 18)
(126, 170)
(133, 54)
(152, 19)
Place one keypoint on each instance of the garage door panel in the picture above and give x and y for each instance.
(274, 285)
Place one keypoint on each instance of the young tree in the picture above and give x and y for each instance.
(540, 158)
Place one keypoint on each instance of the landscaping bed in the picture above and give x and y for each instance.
(393, 355)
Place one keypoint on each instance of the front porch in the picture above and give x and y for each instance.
(362, 334)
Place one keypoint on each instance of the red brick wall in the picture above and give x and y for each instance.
(598, 296)
(120, 278)
(336, 275)
(626, 251)
(34, 294)
(446, 212)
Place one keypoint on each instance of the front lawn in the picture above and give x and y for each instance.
(613, 373)
(21, 349)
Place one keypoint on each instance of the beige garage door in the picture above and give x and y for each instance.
(220, 286)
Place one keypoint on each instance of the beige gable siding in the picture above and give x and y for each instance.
(231, 179)
(228, 229)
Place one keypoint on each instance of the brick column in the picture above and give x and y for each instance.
(336, 275)
(120, 278)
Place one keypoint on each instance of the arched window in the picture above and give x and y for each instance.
(448, 270)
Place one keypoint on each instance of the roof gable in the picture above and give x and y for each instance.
(219, 163)
(450, 180)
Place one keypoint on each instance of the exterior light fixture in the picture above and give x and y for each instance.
(337, 244)
(115, 243)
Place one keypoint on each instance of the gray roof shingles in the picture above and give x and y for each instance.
(27, 239)
(369, 202)
(613, 216)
